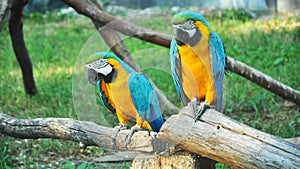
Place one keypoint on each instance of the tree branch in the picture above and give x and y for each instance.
(87, 133)
(220, 138)
(130, 29)
(263, 80)
(122, 26)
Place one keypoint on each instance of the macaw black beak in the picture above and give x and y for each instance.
(186, 36)
(179, 35)
(92, 75)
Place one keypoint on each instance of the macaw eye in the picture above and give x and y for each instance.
(99, 64)
(103, 63)
(189, 24)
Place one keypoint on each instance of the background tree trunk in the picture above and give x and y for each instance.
(21, 52)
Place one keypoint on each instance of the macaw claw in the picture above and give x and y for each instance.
(130, 134)
(116, 131)
(201, 109)
(198, 107)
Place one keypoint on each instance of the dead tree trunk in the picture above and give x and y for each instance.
(220, 138)
(21, 52)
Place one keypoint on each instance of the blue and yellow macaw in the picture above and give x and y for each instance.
(125, 92)
(198, 61)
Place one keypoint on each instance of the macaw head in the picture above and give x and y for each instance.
(189, 27)
(98, 67)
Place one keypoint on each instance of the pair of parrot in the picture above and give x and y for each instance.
(198, 63)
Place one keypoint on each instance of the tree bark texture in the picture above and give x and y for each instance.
(84, 132)
(21, 52)
(161, 39)
(178, 160)
(263, 80)
(220, 138)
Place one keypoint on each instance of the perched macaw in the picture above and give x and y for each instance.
(198, 60)
(125, 92)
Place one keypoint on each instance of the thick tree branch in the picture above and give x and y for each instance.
(87, 133)
(114, 41)
(220, 138)
(21, 52)
(127, 28)
(130, 29)
(263, 80)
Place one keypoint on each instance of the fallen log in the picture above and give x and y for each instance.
(220, 138)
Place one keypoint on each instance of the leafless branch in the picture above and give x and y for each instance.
(84, 132)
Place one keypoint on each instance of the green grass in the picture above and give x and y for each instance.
(56, 45)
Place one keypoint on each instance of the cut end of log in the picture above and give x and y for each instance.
(178, 160)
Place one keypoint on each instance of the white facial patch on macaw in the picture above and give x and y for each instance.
(101, 66)
(191, 32)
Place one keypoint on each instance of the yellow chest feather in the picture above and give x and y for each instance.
(119, 94)
(197, 78)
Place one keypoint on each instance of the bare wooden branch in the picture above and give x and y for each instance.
(263, 80)
(21, 52)
(130, 29)
(4, 5)
(222, 139)
(84, 132)
(122, 26)
(114, 41)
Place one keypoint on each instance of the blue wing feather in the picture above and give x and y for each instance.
(218, 58)
(176, 71)
(145, 100)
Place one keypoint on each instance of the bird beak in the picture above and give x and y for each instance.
(179, 29)
(92, 75)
